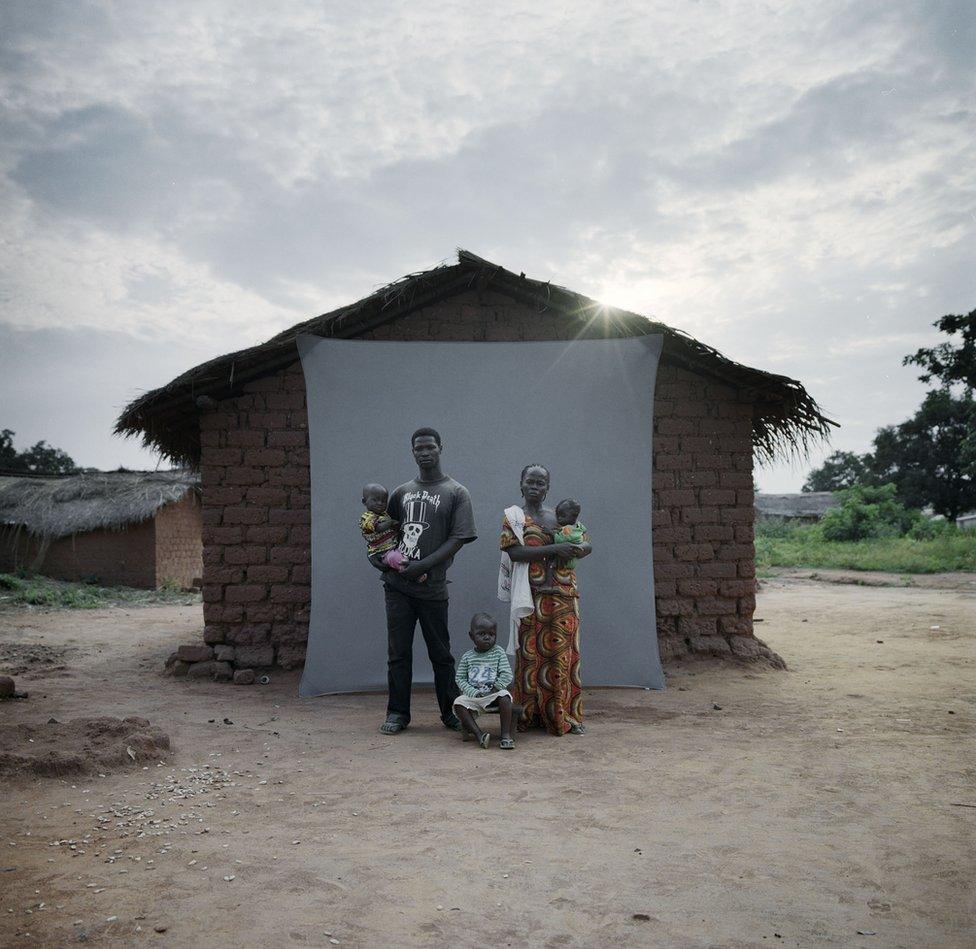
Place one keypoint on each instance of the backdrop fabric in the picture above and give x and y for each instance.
(583, 408)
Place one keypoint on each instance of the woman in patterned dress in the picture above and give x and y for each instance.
(547, 663)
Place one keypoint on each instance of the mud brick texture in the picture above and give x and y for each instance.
(166, 548)
(256, 497)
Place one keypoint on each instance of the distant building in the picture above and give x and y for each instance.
(967, 522)
(806, 508)
(131, 528)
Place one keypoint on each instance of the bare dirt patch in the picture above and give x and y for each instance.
(18, 659)
(60, 749)
(820, 803)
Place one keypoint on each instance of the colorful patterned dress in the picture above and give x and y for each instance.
(547, 663)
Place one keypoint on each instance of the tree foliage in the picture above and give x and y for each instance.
(867, 512)
(842, 469)
(947, 362)
(41, 458)
(930, 458)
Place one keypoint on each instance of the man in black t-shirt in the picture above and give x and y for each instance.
(436, 521)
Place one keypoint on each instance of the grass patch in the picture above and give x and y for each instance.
(778, 545)
(61, 595)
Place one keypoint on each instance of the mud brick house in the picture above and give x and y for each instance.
(241, 418)
(132, 528)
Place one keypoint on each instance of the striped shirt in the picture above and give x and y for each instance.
(475, 670)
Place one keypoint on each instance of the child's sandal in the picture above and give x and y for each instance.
(507, 744)
(484, 739)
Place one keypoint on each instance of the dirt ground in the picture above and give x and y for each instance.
(741, 807)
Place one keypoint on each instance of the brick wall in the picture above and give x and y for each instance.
(179, 542)
(256, 498)
(117, 558)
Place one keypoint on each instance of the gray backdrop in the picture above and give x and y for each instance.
(583, 408)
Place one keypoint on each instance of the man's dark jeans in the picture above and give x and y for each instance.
(402, 614)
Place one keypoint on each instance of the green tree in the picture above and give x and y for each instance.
(947, 362)
(868, 511)
(41, 458)
(842, 469)
(930, 458)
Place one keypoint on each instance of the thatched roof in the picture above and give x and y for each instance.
(806, 504)
(785, 419)
(58, 506)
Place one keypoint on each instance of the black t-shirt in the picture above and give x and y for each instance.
(429, 513)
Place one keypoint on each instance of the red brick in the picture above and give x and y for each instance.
(287, 439)
(246, 593)
(245, 476)
(672, 462)
(212, 516)
(700, 515)
(290, 593)
(663, 553)
(224, 575)
(737, 515)
(697, 478)
(223, 535)
(660, 518)
(747, 605)
(713, 532)
(747, 568)
(285, 400)
(267, 420)
(300, 535)
(717, 496)
(675, 426)
(268, 573)
(212, 476)
(745, 497)
(264, 457)
(670, 535)
(224, 456)
(677, 498)
(246, 438)
(210, 438)
(738, 587)
(271, 497)
(735, 479)
(240, 514)
(675, 606)
(289, 516)
(662, 480)
(268, 534)
(218, 497)
(290, 555)
(665, 588)
(694, 551)
(299, 457)
(213, 592)
(670, 571)
(737, 552)
(724, 571)
(289, 475)
(696, 586)
(301, 573)
(246, 554)
(687, 408)
(735, 625)
(212, 556)
(714, 606)
(697, 626)
(744, 533)
(667, 444)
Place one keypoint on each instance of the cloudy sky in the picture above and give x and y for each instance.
(793, 184)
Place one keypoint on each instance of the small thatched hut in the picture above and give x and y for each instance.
(128, 528)
(804, 508)
(242, 419)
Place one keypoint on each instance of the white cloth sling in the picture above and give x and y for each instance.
(513, 580)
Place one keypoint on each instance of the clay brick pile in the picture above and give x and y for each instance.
(257, 497)
(209, 662)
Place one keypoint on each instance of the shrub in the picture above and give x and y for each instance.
(868, 512)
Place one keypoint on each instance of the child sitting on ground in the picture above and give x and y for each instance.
(379, 529)
(482, 676)
(570, 531)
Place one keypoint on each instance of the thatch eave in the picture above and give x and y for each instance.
(786, 419)
(55, 507)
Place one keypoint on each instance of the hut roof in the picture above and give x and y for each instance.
(785, 417)
(55, 507)
(806, 504)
